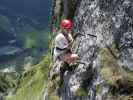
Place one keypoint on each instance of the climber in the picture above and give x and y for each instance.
(63, 42)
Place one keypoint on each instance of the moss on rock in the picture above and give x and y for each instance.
(109, 67)
(81, 92)
(120, 97)
(119, 79)
(54, 97)
(8, 82)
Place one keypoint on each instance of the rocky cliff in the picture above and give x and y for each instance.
(103, 31)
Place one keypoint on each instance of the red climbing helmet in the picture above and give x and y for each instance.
(66, 24)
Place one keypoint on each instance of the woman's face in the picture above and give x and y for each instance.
(66, 31)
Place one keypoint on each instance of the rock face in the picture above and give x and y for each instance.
(110, 21)
(104, 41)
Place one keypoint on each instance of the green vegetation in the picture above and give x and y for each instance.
(32, 82)
(81, 92)
(54, 98)
(110, 70)
(115, 75)
(8, 81)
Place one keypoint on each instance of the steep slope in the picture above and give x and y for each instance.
(31, 83)
(104, 37)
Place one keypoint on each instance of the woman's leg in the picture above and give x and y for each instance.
(70, 58)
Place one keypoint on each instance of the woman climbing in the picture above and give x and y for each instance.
(63, 43)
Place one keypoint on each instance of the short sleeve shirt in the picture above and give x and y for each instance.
(61, 42)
